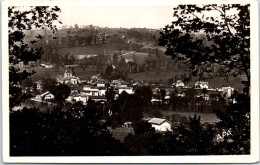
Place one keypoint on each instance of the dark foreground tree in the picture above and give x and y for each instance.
(77, 132)
(19, 20)
(202, 35)
(60, 92)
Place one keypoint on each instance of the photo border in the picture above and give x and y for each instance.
(254, 64)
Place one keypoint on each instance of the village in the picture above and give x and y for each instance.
(96, 87)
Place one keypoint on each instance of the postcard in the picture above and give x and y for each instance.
(130, 81)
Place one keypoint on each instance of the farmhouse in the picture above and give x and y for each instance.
(160, 124)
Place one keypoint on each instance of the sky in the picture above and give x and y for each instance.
(117, 16)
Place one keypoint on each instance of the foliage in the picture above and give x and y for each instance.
(20, 20)
(77, 132)
(202, 39)
(142, 127)
(60, 92)
(236, 118)
(48, 83)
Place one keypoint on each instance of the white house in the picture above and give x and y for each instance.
(48, 66)
(102, 91)
(38, 85)
(101, 83)
(44, 97)
(201, 85)
(68, 78)
(179, 83)
(90, 91)
(128, 90)
(82, 98)
(228, 91)
(49, 96)
(160, 124)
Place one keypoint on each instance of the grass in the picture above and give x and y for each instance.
(93, 49)
(43, 72)
(205, 117)
(154, 76)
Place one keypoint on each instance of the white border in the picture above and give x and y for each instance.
(253, 157)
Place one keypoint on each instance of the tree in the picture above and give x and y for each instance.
(110, 94)
(236, 119)
(60, 92)
(19, 20)
(109, 70)
(144, 95)
(201, 39)
(48, 83)
(163, 94)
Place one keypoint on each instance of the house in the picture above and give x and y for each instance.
(181, 94)
(90, 91)
(48, 66)
(101, 83)
(160, 124)
(201, 85)
(128, 90)
(81, 98)
(68, 73)
(179, 83)
(102, 91)
(68, 78)
(205, 97)
(124, 84)
(228, 91)
(75, 97)
(39, 85)
(44, 97)
(98, 98)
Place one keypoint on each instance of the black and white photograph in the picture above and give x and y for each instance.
(130, 82)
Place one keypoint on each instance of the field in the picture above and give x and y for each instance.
(164, 75)
(205, 117)
(218, 82)
(43, 72)
(155, 76)
(93, 49)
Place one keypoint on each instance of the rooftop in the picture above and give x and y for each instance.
(157, 121)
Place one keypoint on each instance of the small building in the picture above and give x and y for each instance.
(179, 84)
(228, 91)
(128, 124)
(68, 73)
(102, 91)
(39, 86)
(90, 91)
(205, 97)
(68, 78)
(128, 90)
(47, 96)
(181, 94)
(201, 85)
(48, 66)
(98, 98)
(160, 124)
(101, 83)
